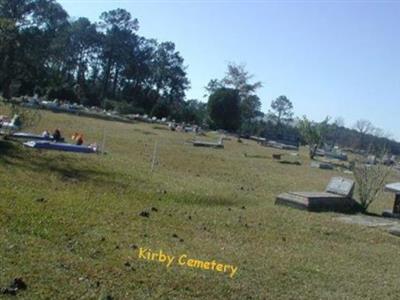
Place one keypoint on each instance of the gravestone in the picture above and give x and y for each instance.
(340, 186)
(371, 160)
(394, 188)
(337, 197)
(322, 165)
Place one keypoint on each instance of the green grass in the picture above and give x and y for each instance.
(75, 244)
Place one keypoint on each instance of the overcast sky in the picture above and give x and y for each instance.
(331, 58)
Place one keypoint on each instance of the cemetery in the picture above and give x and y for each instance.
(199, 150)
(231, 191)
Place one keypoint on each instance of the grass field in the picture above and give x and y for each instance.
(70, 223)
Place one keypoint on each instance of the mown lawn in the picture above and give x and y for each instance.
(70, 223)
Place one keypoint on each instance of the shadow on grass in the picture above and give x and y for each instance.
(145, 132)
(69, 168)
(161, 128)
(8, 151)
(371, 214)
(256, 156)
(5, 146)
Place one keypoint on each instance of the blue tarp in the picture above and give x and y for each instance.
(31, 136)
(59, 146)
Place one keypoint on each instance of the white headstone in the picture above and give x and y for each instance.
(393, 187)
(340, 186)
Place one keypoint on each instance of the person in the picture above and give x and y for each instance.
(78, 138)
(57, 135)
(46, 134)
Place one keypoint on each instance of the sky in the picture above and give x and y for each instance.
(330, 58)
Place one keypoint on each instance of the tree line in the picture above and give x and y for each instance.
(233, 105)
(106, 63)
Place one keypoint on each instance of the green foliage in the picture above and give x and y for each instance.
(77, 60)
(239, 79)
(194, 112)
(312, 134)
(224, 109)
(161, 109)
(250, 108)
(127, 108)
(27, 29)
(109, 104)
(62, 93)
(212, 86)
(281, 110)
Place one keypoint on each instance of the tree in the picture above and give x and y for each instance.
(339, 122)
(169, 73)
(119, 30)
(281, 110)
(334, 130)
(363, 127)
(43, 52)
(224, 109)
(26, 27)
(194, 112)
(212, 86)
(238, 78)
(250, 107)
(380, 133)
(84, 42)
(312, 134)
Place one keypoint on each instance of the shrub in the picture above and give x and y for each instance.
(370, 180)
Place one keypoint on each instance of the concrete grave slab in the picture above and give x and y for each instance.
(337, 197)
(395, 230)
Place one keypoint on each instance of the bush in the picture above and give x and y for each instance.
(370, 181)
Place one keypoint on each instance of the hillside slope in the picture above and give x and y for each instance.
(70, 224)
